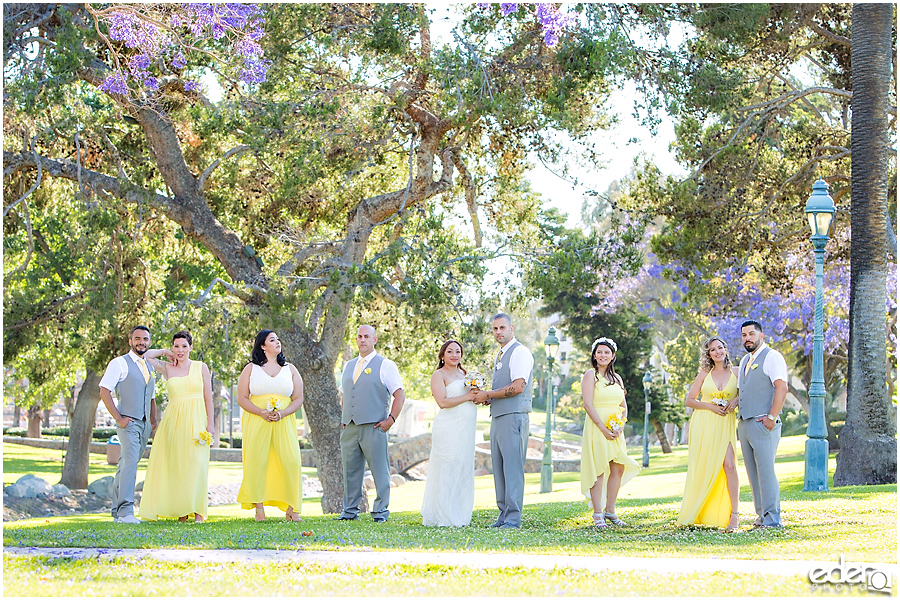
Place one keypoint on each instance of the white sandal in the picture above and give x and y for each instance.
(599, 521)
(613, 519)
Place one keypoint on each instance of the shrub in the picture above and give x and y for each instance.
(15, 431)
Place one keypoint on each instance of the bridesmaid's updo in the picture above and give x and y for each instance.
(444, 349)
(184, 335)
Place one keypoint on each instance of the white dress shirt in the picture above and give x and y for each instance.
(390, 375)
(521, 362)
(117, 370)
(774, 366)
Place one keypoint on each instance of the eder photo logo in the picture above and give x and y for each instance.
(849, 575)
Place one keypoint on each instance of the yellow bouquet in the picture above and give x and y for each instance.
(273, 405)
(204, 438)
(720, 398)
(615, 423)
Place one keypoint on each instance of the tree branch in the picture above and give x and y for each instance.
(829, 35)
(469, 187)
(37, 182)
(201, 182)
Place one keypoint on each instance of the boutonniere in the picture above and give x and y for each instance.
(368, 371)
(753, 366)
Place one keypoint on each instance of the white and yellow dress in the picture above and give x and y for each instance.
(271, 450)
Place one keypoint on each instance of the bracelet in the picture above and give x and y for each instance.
(393, 420)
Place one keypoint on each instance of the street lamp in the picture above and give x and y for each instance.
(648, 379)
(820, 212)
(551, 345)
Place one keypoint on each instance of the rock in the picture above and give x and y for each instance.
(397, 480)
(394, 471)
(368, 482)
(29, 486)
(103, 487)
(139, 487)
(393, 483)
(60, 490)
(480, 472)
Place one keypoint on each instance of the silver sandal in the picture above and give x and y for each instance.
(612, 519)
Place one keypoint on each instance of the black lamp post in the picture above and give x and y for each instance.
(551, 345)
(648, 379)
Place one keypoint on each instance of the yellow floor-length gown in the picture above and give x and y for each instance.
(706, 500)
(271, 450)
(597, 451)
(177, 472)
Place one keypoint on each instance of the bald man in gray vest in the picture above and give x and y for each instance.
(368, 383)
(510, 401)
(762, 387)
(135, 415)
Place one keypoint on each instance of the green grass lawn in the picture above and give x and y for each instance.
(857, 522)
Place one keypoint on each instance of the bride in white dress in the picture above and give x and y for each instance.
(450, 485)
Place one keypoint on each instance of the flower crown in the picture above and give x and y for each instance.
(601, 340)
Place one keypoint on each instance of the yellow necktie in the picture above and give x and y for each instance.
(358, 370)
(747, 368)
(497, 362)
(144, 370)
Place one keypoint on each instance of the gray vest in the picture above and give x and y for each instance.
(365, 401)
(755, 388)
(520, 403)
(133, 394)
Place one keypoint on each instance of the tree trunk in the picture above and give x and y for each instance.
(218, 401)
(868, 441)
(17, 415)
(661, 436)
(46, 418)
(34, 421)
(81, 428)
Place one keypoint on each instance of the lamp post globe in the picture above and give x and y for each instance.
(551, 346)
(648, 379)
(820, 215)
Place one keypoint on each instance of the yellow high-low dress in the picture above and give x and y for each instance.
(271, 450)
(597, 451)
(706, 500)
(176, 481)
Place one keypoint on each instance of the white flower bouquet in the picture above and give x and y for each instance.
(273, 405)
(476, 380)
(615, 423)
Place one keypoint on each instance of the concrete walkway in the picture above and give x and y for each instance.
(594, 564)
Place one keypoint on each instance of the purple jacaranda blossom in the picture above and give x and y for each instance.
(508, 8)
(115, 84)
(191, 86)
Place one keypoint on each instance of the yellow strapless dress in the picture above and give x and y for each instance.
(177, 472)
(271, 450)
(706, 500)
(597, 451)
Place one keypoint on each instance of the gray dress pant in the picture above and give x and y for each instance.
(509, 442)
(132, 441)
(759, 446)
(361, 444)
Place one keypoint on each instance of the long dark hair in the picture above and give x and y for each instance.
(258, 356)
(444, 349)
(611, 378)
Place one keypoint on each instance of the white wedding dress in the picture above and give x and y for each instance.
(450, 485)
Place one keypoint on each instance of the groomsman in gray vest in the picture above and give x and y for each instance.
(368, 383)
(762, 386)
(510, 401)
(135, 415)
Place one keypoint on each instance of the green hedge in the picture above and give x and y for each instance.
(100, 434)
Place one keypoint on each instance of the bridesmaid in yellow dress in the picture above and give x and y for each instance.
(176, 483)
(270, 391)
(605, 466)
(711, 489)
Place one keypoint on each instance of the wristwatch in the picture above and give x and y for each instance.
(771, 418)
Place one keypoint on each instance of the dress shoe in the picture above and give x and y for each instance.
(509, 526)
(346, 518)
(379, 519)
(130, 519)
(497, 524)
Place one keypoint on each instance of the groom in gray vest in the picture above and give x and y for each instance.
(135, 415)
(762, 386)
(510, 401)
(368, 383)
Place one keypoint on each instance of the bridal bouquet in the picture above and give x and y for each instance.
(204, 438)
(615, 423)
(720, 398)
(273, 405)
(476, 380)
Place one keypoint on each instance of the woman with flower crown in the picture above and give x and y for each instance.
(450, 485)
(711, 489)
(175, 485)
(605, 466)
(270, 391)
